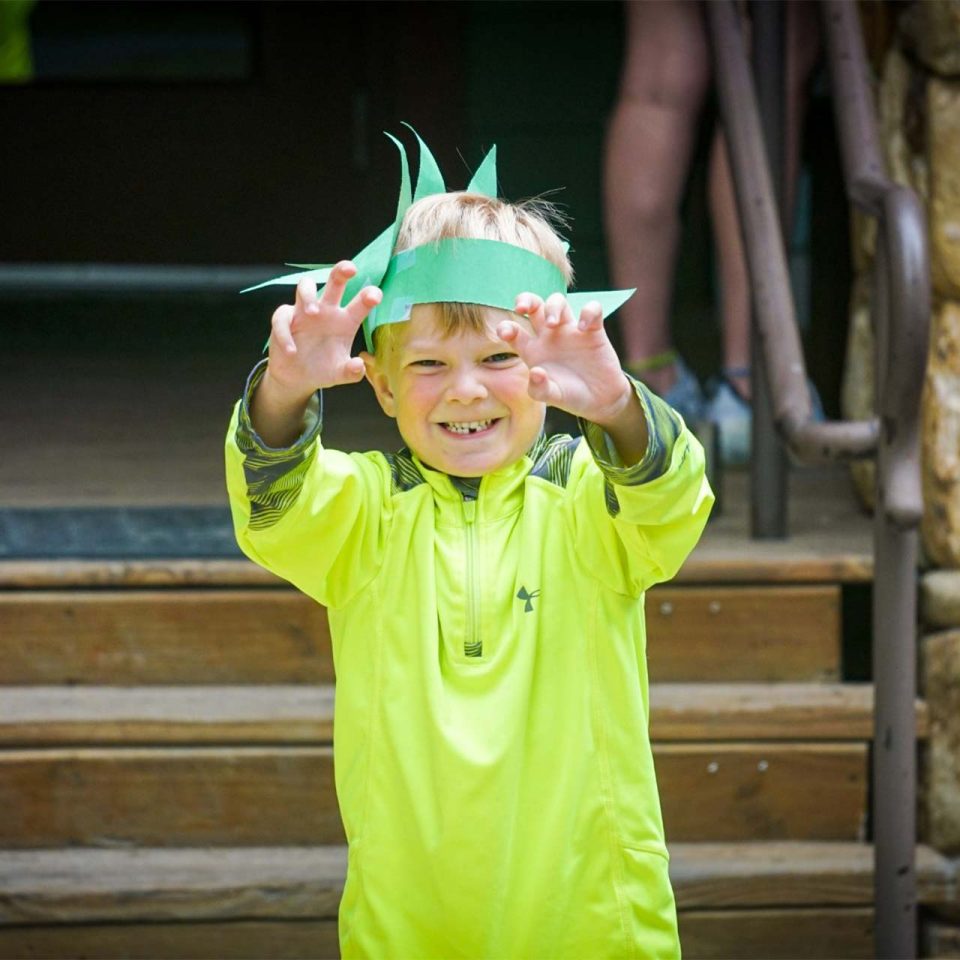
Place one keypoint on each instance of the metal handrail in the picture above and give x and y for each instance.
(902, 305)
(809, 440)
(74, 279)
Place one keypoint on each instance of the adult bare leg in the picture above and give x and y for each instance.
(649, 142)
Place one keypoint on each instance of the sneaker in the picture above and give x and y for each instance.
(686, 396)
(733, 417)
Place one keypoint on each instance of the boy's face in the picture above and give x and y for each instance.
(460, 402)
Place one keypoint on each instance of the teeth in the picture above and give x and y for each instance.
(470, 426)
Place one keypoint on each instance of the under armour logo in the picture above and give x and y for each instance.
(528, 599)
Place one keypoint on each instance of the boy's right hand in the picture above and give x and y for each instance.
(309, 349)
(311, 339)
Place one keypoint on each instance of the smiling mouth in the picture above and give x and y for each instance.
(467, 427)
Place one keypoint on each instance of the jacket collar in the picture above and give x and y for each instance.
(497, 494)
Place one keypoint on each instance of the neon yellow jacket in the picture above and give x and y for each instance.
(493, 766)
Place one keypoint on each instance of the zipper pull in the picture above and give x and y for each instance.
(469, 510)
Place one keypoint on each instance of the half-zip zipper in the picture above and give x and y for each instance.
(472, 645)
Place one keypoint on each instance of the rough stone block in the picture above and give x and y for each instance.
(941, 440)
(940, 940)
(941, 681)
(902, 107)
(930, 29)
(857, 391)
(940, 598)
(943, 157)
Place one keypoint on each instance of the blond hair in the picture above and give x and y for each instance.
(528, 224)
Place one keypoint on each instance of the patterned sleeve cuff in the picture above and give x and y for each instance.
(663, 428)
(248, 440)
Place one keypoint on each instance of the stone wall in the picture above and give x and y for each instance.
(918, 99)
(940, 778)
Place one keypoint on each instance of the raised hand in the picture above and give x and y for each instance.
(311, 339)
(309, 349)
(573, 365)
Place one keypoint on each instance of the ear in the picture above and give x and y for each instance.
(379, 379)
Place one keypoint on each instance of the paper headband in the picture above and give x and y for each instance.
(487, 272)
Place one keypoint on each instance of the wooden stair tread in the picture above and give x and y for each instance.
(757, 563)
(89, 884)
(773, 633)
(766, 711)
(735, 633)
(679, 711)
(830, 535)
(180, 714)
(289, 713)
(282, 794)
(781, 873)
(94, 885)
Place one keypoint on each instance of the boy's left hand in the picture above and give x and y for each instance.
(573, 365)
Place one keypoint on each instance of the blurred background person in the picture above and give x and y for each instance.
(650, 141)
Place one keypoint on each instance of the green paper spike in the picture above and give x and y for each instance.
(320, 276)
(429, 177)
(471, 270)
(406, 196)
(484, 181)
(371, 263)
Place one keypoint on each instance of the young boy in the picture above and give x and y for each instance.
(484, 587)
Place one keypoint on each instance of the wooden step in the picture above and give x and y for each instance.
(163, 636)
(715, 633)
(830, 542)
(179, 715)
(762, 791)
(785, 899)
(283, 794)
(716, 876)
(252, 765)
(155, 884)
(730, 633)
(234, 940)
(766, 711)
(155, 715)
(168, 796)
(793, 933)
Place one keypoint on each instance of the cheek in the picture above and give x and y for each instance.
(515, 392)
(517, 387)
(420, 395)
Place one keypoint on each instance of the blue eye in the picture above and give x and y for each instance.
(501, 357)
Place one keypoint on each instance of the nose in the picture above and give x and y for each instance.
(466, 385)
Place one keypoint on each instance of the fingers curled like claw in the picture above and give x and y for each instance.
(542, 388)
(307, 296)
(353, 370)
(507, 330)
(280, 323)
(557, 310)
(339, 277)
(363, 303)
(591, 317)
(514, 333)
(527, 303)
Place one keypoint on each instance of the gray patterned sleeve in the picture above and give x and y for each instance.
(663, 427)
(274, 475)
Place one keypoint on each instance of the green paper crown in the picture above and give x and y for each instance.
(487, 272)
